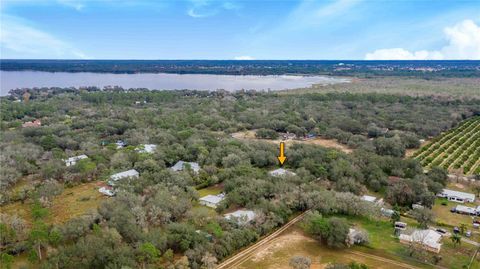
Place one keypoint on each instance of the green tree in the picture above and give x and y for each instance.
(456, 239)
(148, 253)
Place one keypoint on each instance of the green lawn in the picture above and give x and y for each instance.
(212, 190)
(446, 218)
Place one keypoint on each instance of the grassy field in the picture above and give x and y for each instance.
(383, 251)
(71, 203)
(444, 216)
(212, 190)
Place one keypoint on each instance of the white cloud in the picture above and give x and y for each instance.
(463, 43)
(19, 37)
(207, 8)
(243, 58)
(76, 4)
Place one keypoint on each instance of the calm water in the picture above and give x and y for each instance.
(29, 79)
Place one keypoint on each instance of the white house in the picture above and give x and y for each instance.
(280, 172)
(212, 200)
(369, 198)
(107, 190)
(132, 173)
(457, 196)
(242, 216)
(465, 210)
(146, 148)
(73, 160)
(180, 165)
(429, 239)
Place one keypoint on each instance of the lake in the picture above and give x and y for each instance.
(29, 79)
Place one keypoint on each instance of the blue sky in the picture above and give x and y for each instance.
(229, 29)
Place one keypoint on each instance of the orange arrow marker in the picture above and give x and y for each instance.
(282, 157)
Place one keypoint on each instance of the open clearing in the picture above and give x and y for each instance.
(293, 242)
(73, 202)
(328, 143)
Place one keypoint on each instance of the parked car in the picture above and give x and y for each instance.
(468, 233)
(453, 210)
(441, 231)
(456, 230)
(476, 225)
(477, 221)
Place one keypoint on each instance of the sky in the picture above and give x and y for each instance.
(242, 30)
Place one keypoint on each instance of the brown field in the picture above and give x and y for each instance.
(293, 242)
(73, 202)
(327, 143)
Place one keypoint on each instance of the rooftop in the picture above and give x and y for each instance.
(124, 174)
(281, 172)
(213, 199)
(460, 194)
(180, 165)
(244, 216)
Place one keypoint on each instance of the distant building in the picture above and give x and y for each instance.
(35, 123)
(132, 173)
(120, 144)
(73, 160)
(457, 196)
(181, 165)
(211, 200)
(241, 216)
(146, 148)
(429, 239)
(281, 172)
(107, 190)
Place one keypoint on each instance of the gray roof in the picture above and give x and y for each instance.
(124, 174)
(281, 172)
(180, 165)
(242, 215)
(459, 194)
(213, 199)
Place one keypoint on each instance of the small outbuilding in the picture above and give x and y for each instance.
(107, 190)
(212, 200)
(73, 160)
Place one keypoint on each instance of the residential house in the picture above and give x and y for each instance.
(281, 173)
(429, 239)
(457, 196)
(73, 160)
(241, 216)
(132, 173)
(212, 200)
(465, 210)
(181, 165)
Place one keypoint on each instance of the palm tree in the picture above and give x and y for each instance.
(456, 239)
